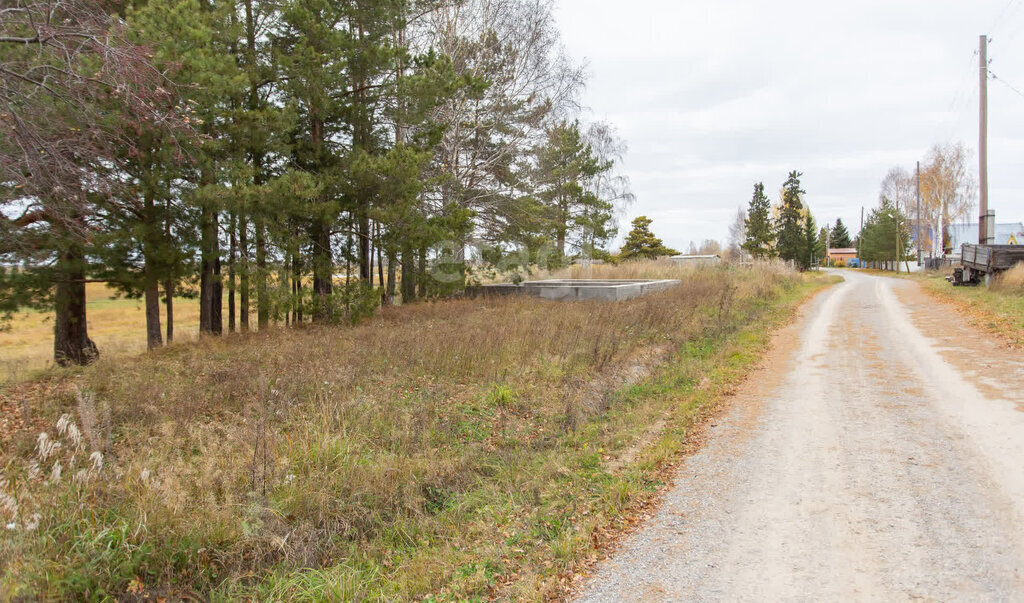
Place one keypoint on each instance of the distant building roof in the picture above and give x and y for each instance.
(694, 257)
(842, 250)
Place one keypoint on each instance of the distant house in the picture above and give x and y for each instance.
(696, 260)
(841, 255)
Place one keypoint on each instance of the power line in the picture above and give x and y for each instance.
(1004, 15)
(1005, 83)
(962, 97)
(1005, 18)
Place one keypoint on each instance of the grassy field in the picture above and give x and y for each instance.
(441, 451)
(116, 324)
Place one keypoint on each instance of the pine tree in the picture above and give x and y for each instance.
(811, 243)
(641, 242)
(564, 163)
(824, 241)
(148, 233)
(759, 232)
(790, 239)
(886, 236)
(259, 131)
(840, 236)
(315, 44)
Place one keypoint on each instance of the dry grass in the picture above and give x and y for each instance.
(116, 324)
(449, 450)
(1010, 282)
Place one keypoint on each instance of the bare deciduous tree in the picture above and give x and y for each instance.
(737, 235)
(610, 185)
(520, 77)
(948, 190)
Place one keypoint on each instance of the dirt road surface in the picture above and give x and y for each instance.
(879, 455)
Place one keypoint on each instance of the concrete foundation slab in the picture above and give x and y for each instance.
(578, 289)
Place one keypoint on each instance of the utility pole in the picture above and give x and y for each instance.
(983, 234)
(901, 253)
(918, 213)
(860, 240)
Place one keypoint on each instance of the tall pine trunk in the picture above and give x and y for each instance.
(150, 244)
(243, 273)
(563, 226)
(217, 319)
(363, 240)
(233, 250)
(209, 280)
(372, 252)
(262, 301)
(169, 281)
(256, 154)
(421, 274)
(297, 287)
(361, 136)
(71, 343)
(408, 273)
(380, 265)
(169, 303)
(285, 286)
(389, 291)
(154, 338)
(323, 269)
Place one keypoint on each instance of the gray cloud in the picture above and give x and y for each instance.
(714, 96)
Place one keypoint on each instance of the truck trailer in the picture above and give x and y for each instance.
(981, 262)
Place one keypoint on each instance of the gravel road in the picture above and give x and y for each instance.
(859, 463)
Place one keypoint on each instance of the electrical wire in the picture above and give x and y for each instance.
(962, 97)
(1001, 18)
(1006, 18)
(1005, 83)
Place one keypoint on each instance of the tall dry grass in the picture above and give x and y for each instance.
(439, 448)
(1011, 281)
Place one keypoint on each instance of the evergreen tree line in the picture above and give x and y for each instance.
(288, 161)
(787, 231)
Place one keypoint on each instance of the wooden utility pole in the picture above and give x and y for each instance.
(860, 240)
(901, 253)
(983, 234)
(918, 213)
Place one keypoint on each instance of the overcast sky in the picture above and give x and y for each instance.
(713, 96)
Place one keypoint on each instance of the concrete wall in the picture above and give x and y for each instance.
(577, 289)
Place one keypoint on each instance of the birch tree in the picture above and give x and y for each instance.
(509, 52)
(948, 192)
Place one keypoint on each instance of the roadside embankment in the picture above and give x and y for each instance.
(450, 450)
